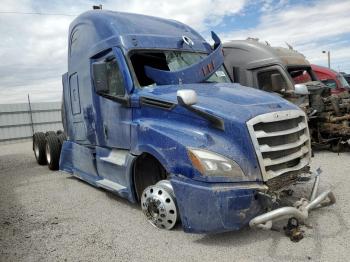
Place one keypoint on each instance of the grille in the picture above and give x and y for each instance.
(282, 143)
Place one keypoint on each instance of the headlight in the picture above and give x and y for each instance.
(212, 164)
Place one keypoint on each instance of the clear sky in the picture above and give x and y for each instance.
(33, 48)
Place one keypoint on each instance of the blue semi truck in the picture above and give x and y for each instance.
(151, 115)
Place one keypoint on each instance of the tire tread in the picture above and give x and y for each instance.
(40, 139)
(55, 151)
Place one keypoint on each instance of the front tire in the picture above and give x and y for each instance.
(53, 151)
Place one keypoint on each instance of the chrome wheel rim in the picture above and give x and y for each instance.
(159, 207)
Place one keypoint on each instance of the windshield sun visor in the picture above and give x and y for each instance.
(195, 73)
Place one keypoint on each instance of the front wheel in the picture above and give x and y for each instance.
(158, 203)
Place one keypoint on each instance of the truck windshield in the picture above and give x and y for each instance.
(170, 61)
(301, 75)
(343, 81)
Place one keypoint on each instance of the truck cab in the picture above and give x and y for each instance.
(151, 115)
(335, 81)
(273, 69)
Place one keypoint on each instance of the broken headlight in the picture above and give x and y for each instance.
(212, 164)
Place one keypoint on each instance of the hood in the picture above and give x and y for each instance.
(232, 103)
(225, 100)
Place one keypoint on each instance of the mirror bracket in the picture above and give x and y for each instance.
(187, 98)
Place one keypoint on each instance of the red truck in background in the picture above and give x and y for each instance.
(334, 80)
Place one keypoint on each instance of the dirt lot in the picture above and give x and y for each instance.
(50, 216)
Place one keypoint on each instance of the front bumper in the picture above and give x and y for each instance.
(300, 209)
(214, 208)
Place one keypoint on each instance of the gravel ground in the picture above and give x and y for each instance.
(51, 216)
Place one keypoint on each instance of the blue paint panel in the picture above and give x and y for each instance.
(109, 170)
(80, 161)
(118, 173)
(77, 158)
(74, 94)
(213, 208)
(112, 119)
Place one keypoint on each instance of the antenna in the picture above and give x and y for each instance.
(95, 7)
(289, 46)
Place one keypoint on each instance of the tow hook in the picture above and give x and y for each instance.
(293, 231)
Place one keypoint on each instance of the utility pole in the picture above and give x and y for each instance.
(329, 57)
(31, 115)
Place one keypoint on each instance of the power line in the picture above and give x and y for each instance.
(34, 13)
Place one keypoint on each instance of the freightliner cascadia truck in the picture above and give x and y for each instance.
(151, 115)
(287, 73)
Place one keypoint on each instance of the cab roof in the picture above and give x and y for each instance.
(95, 27)
(127, 23)
(253, 54)
(324, 70)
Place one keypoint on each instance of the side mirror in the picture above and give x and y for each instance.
(186, 97)
(99, 71)
(301, 89)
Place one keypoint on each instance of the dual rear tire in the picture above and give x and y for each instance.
(47, 148)
(53, 151)
(39, 144)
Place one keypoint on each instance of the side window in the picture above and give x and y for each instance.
(115, 79)
(330, 83)
(108, 79)
(272, 81)
(300, 76)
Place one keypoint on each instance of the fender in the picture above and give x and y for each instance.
(167, 144)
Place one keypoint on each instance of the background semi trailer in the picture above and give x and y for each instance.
(287, 73)
(151, 115)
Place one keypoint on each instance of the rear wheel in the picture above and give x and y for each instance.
(48, 133)
(39, 148)
(53, 150)
(61, 137)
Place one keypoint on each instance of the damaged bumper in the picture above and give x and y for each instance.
(214, 208)
(300, 210)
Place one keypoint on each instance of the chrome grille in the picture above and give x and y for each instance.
(282, 142)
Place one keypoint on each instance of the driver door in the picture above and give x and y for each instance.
(113, 116)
